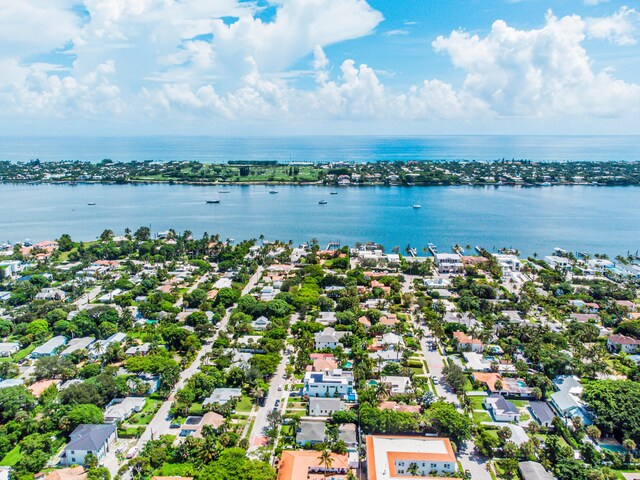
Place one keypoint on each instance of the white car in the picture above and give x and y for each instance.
(279, 388)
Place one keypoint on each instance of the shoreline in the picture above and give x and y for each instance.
(312, 184)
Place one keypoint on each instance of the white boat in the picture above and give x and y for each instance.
(417, 205)
(322, 202)
(91, 203)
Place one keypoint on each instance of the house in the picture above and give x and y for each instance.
(49, 348)
(566, 401)
(508, 263)
(89, 439)
(392, 456)
(327, 318)
(337, 383)
(322, 362)
(142, 349)
(310, 433)
(534, 471)
(347, 433)
(465, 319)
(542, 413)
(449, 263)
(467, 344)
(392, 340)
(399, 385)
(304, 464)
(260, 323)
(222, 396)
(76, 344)
(324, 407)
(585, 307)
(119, 409)
(622, 343)
(72, 473)
(51, 294)
(11, 382)
(507, 386)
(100, 346)
(193, 425)
(9, 348)
(385, 356)
(328, 338)
(501, 409)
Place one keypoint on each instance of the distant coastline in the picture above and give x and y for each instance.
(523, 173)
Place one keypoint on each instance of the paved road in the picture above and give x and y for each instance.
(257, 438)
(161, 421)
(277, 391)
(469, 460)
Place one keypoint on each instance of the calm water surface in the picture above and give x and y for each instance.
(530, 219)
(322, 149)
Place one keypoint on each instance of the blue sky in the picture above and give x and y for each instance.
(93, 67)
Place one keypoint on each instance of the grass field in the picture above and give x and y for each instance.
(482, 417)
(12, 457)
(244, 405)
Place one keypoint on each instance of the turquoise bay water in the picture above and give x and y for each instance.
(322, 148)
(595, 219)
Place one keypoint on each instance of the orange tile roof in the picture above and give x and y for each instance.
(489, 379)
(295, 464)
(394, 456)
(73, 473)
(39, 387)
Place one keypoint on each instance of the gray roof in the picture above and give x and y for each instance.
(504, 405)
(310, 432)
(347, 433)
(542, 411)
(90, 437)
(534, 471)
(325, 403)
(564, 401)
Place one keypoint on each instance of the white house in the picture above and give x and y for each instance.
(119, 409)
(324, 407)
(337, 384)
(508, 262)
(89, 439)
(260, 323)
(328, 338)
(501, 409)
(8, 348)
(391, 456)
(622, 343)
(449, 262)
(49, 348)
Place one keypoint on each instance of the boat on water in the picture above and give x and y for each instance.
(273, 192)
(322, 202)
(224, 191)
(334, 193)
(91, 203)
(213, 201)
(417, 205)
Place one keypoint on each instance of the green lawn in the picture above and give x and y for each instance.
(176, 470)
(20, 355)
(195, 409)
(244, 405)
(520, 403)
(12, 457)
(476, 402)
(482, 417)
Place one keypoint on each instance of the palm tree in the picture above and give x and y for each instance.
(383, 391)
(413, 469)
(325, 460)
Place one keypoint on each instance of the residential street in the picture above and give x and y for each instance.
(161, 421)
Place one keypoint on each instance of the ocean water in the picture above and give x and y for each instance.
(322, 148)
(577, 218)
